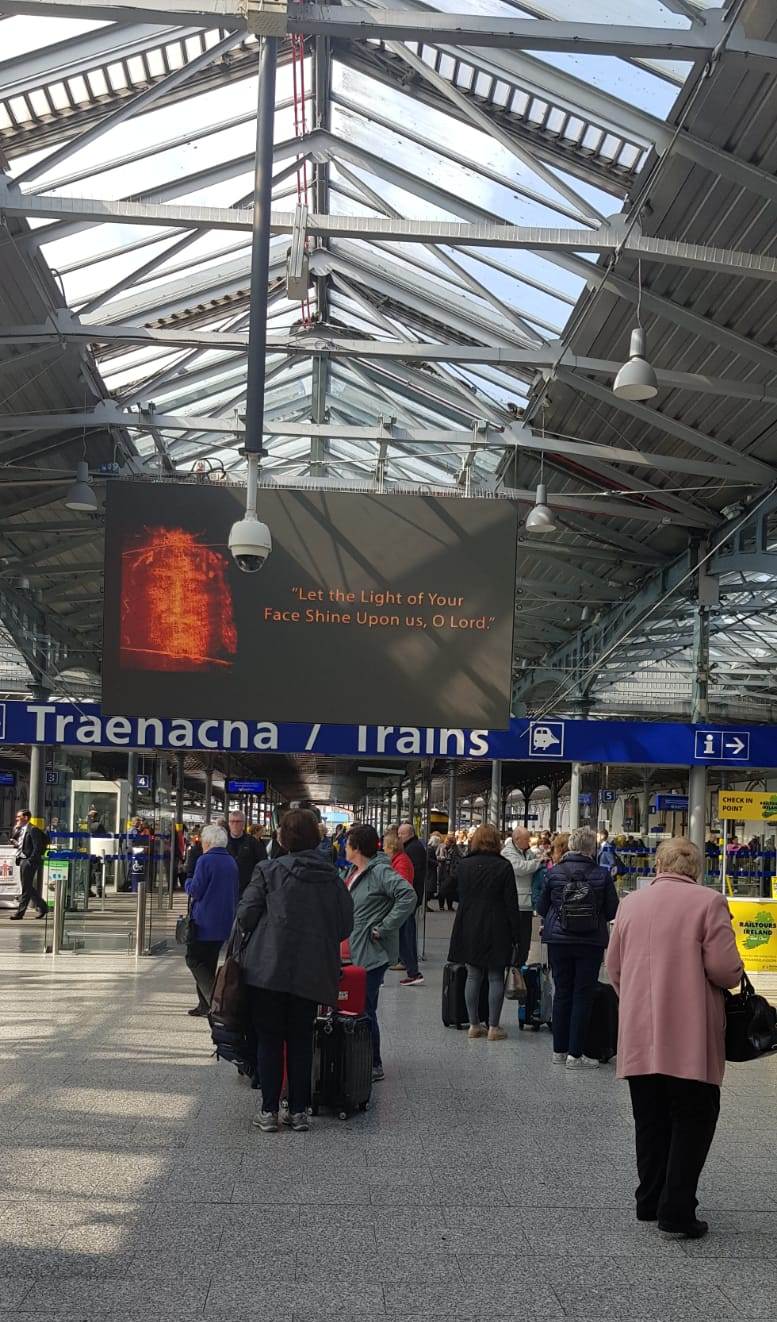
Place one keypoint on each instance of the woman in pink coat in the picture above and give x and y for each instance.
(671, 952)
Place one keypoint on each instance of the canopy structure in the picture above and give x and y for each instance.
(473, 207)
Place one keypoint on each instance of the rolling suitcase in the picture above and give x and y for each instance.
(454, 1005)
(537, 1009)
(601, 1039)
(342, 1064)
(352, 992)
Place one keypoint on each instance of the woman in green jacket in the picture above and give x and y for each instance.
(382, 900)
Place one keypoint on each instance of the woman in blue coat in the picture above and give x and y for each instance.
(213, 892)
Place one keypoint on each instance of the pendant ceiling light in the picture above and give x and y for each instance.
(540, 517)
(636, 380)
(81, 497)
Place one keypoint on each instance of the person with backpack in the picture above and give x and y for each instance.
(32, 844)
(578, 900)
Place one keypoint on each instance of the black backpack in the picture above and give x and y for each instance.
(579, 907)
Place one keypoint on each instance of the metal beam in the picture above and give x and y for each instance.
(653, 418)
(335, 344)
(391, 228)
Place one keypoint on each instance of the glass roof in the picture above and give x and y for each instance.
(371, 145)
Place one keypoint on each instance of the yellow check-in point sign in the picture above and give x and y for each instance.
(747, 806)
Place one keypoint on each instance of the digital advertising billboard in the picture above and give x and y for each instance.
(370, 608)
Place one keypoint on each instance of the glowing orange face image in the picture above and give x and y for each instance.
(176, 604)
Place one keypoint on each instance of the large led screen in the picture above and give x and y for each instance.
(370, 609)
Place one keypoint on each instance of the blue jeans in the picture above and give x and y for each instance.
(374, 983)
(575, 969)
(408, 946)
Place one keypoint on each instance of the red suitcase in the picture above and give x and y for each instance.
(352, 992)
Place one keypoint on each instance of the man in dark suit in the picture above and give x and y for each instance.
(32, 846)
(246, 850)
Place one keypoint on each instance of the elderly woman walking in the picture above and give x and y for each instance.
(672, 952)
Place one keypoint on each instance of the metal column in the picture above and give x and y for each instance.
(411, 799)
(176, 826)
(208, 791)
(574, 797)
(452, 796)
(644, 806)
(697, 806)
(708, 595)
(260, 257)
(495, 797)
(132, 778)
(37, 760)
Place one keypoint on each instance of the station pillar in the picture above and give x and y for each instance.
(697, 806)
(132, 781)
(553, 822)
(574, 797)
(495, 797)
(208, 792)
(452, 796)
(37, 760)
(411, 799)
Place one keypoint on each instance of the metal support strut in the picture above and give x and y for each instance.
(260, 265)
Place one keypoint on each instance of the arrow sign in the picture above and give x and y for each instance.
(735, 746)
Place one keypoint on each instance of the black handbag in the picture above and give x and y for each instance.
(184, 927)
(751, 1023)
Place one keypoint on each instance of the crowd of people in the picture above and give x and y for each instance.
(310, 904)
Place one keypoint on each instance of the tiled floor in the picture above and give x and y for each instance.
(482, 1184)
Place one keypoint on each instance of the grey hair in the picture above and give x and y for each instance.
(236, 812)
(582, 841)
(215, 837)
(679, 855)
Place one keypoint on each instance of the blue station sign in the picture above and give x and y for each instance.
(618, 743)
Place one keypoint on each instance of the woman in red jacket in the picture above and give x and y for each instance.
(403, 864)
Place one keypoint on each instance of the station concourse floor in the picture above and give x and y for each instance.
(484, 1183)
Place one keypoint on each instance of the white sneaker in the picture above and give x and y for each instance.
(559, 1057)
(582, 1063)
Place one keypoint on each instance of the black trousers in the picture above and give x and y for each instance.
(525, 917)
(29, 871)
(675, 1123)
(281, 1021)
(202, 958)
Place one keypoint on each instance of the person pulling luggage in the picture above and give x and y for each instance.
(295, 912)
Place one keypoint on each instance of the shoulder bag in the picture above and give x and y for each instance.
(751, 1023)
(184, 927)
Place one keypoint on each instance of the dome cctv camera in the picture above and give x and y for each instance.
(250, 543)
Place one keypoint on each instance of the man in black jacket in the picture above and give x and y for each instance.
(416, 852)
(246, 850)
(32, 846)
(408, 935)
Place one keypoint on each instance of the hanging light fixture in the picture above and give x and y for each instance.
(81, 497)
(540, 517)
(637, 380)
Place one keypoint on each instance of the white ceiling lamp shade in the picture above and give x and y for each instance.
(540, 515)
(81, 497)
(636, 380)
(540, 518)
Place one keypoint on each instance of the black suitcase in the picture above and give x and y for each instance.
(454, 1005)
(601, 1039)
(537, 1009)
(342, 1064)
